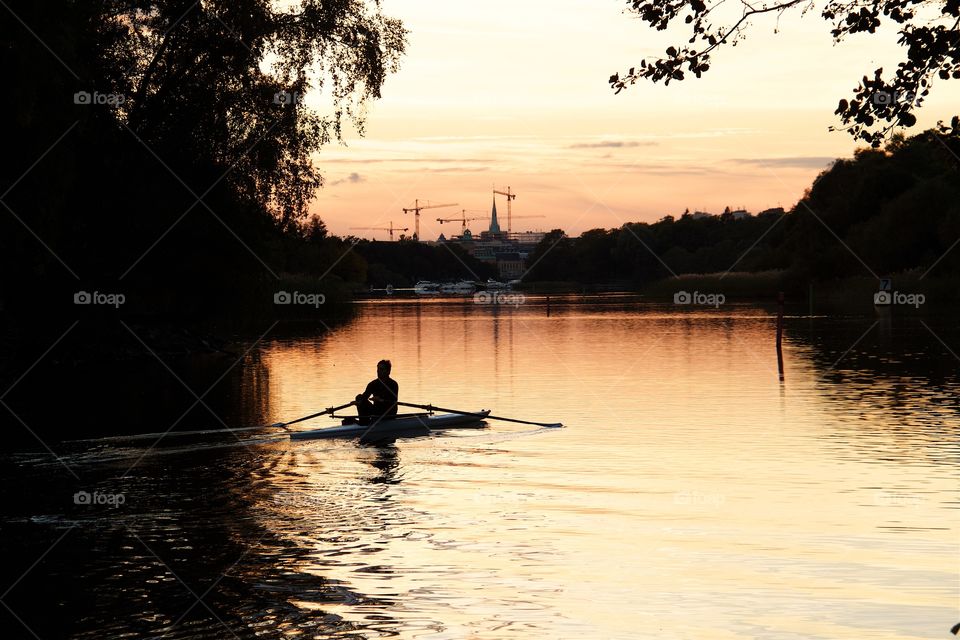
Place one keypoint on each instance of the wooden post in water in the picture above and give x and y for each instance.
(780, 334)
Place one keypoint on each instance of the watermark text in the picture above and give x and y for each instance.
(298, 298)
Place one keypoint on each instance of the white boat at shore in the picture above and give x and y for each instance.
(462, 288)
(426, 288)
(495, 285)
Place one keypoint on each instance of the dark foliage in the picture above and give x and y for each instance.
(928, 31)
(161, 148)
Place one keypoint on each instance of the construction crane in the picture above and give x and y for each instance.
(463, 221)
(510, 197)
(417, 208)
(532, 216)
(391, 229)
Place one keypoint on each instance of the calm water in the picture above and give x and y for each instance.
(691, 494)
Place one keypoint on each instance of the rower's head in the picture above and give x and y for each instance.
(383, 369)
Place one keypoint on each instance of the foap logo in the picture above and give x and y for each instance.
(95, 97)
(286, 97)
(98, 498)
(99, 298)
(888, 298)
(893, 97)
(705, 299)
(310, 299)
(499, 298)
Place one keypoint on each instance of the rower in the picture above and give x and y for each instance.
(379, 399)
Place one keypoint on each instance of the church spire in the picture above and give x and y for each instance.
(494, 225)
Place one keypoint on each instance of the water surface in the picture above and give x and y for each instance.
(691, 493)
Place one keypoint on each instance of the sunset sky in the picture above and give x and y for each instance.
(515, 93)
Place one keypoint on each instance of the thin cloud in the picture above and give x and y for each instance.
(800, 162)
(459, 139)
(662, 169)
(352, 178)
(613, 144)
(431, 160)
(445, 170)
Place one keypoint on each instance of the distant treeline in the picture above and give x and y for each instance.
(887, 211)
(402, 263)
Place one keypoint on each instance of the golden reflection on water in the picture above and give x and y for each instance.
(691, 494)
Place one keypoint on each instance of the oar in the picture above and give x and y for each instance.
(284, 425)
(430, 407)
(168, 434)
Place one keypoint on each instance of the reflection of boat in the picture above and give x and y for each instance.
(420, 424)
(426, 288)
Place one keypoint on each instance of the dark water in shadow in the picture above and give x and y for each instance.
(690, 495)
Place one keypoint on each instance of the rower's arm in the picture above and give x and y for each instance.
(367, 392)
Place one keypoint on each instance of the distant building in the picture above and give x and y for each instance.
(700, 215)
(527, 240)
(774, 211)
(486, 251)
(510, 265)
(493, 233)
(740, 214)
(495, 246)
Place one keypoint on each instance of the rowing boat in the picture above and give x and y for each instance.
(415, 425)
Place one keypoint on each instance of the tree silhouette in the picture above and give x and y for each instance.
(164, 146)
(226, 80)
(928, 31)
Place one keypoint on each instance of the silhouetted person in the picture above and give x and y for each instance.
(379, 399)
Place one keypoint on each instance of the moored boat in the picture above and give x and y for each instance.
(426, 288)
(494, 285)
(399, 427)
(462, 288)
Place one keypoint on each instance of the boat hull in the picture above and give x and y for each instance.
(424, 288)
(418, 425)
(462, 288)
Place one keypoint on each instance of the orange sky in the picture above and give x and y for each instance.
(508, 93)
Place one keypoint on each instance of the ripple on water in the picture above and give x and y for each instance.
(690, 495)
